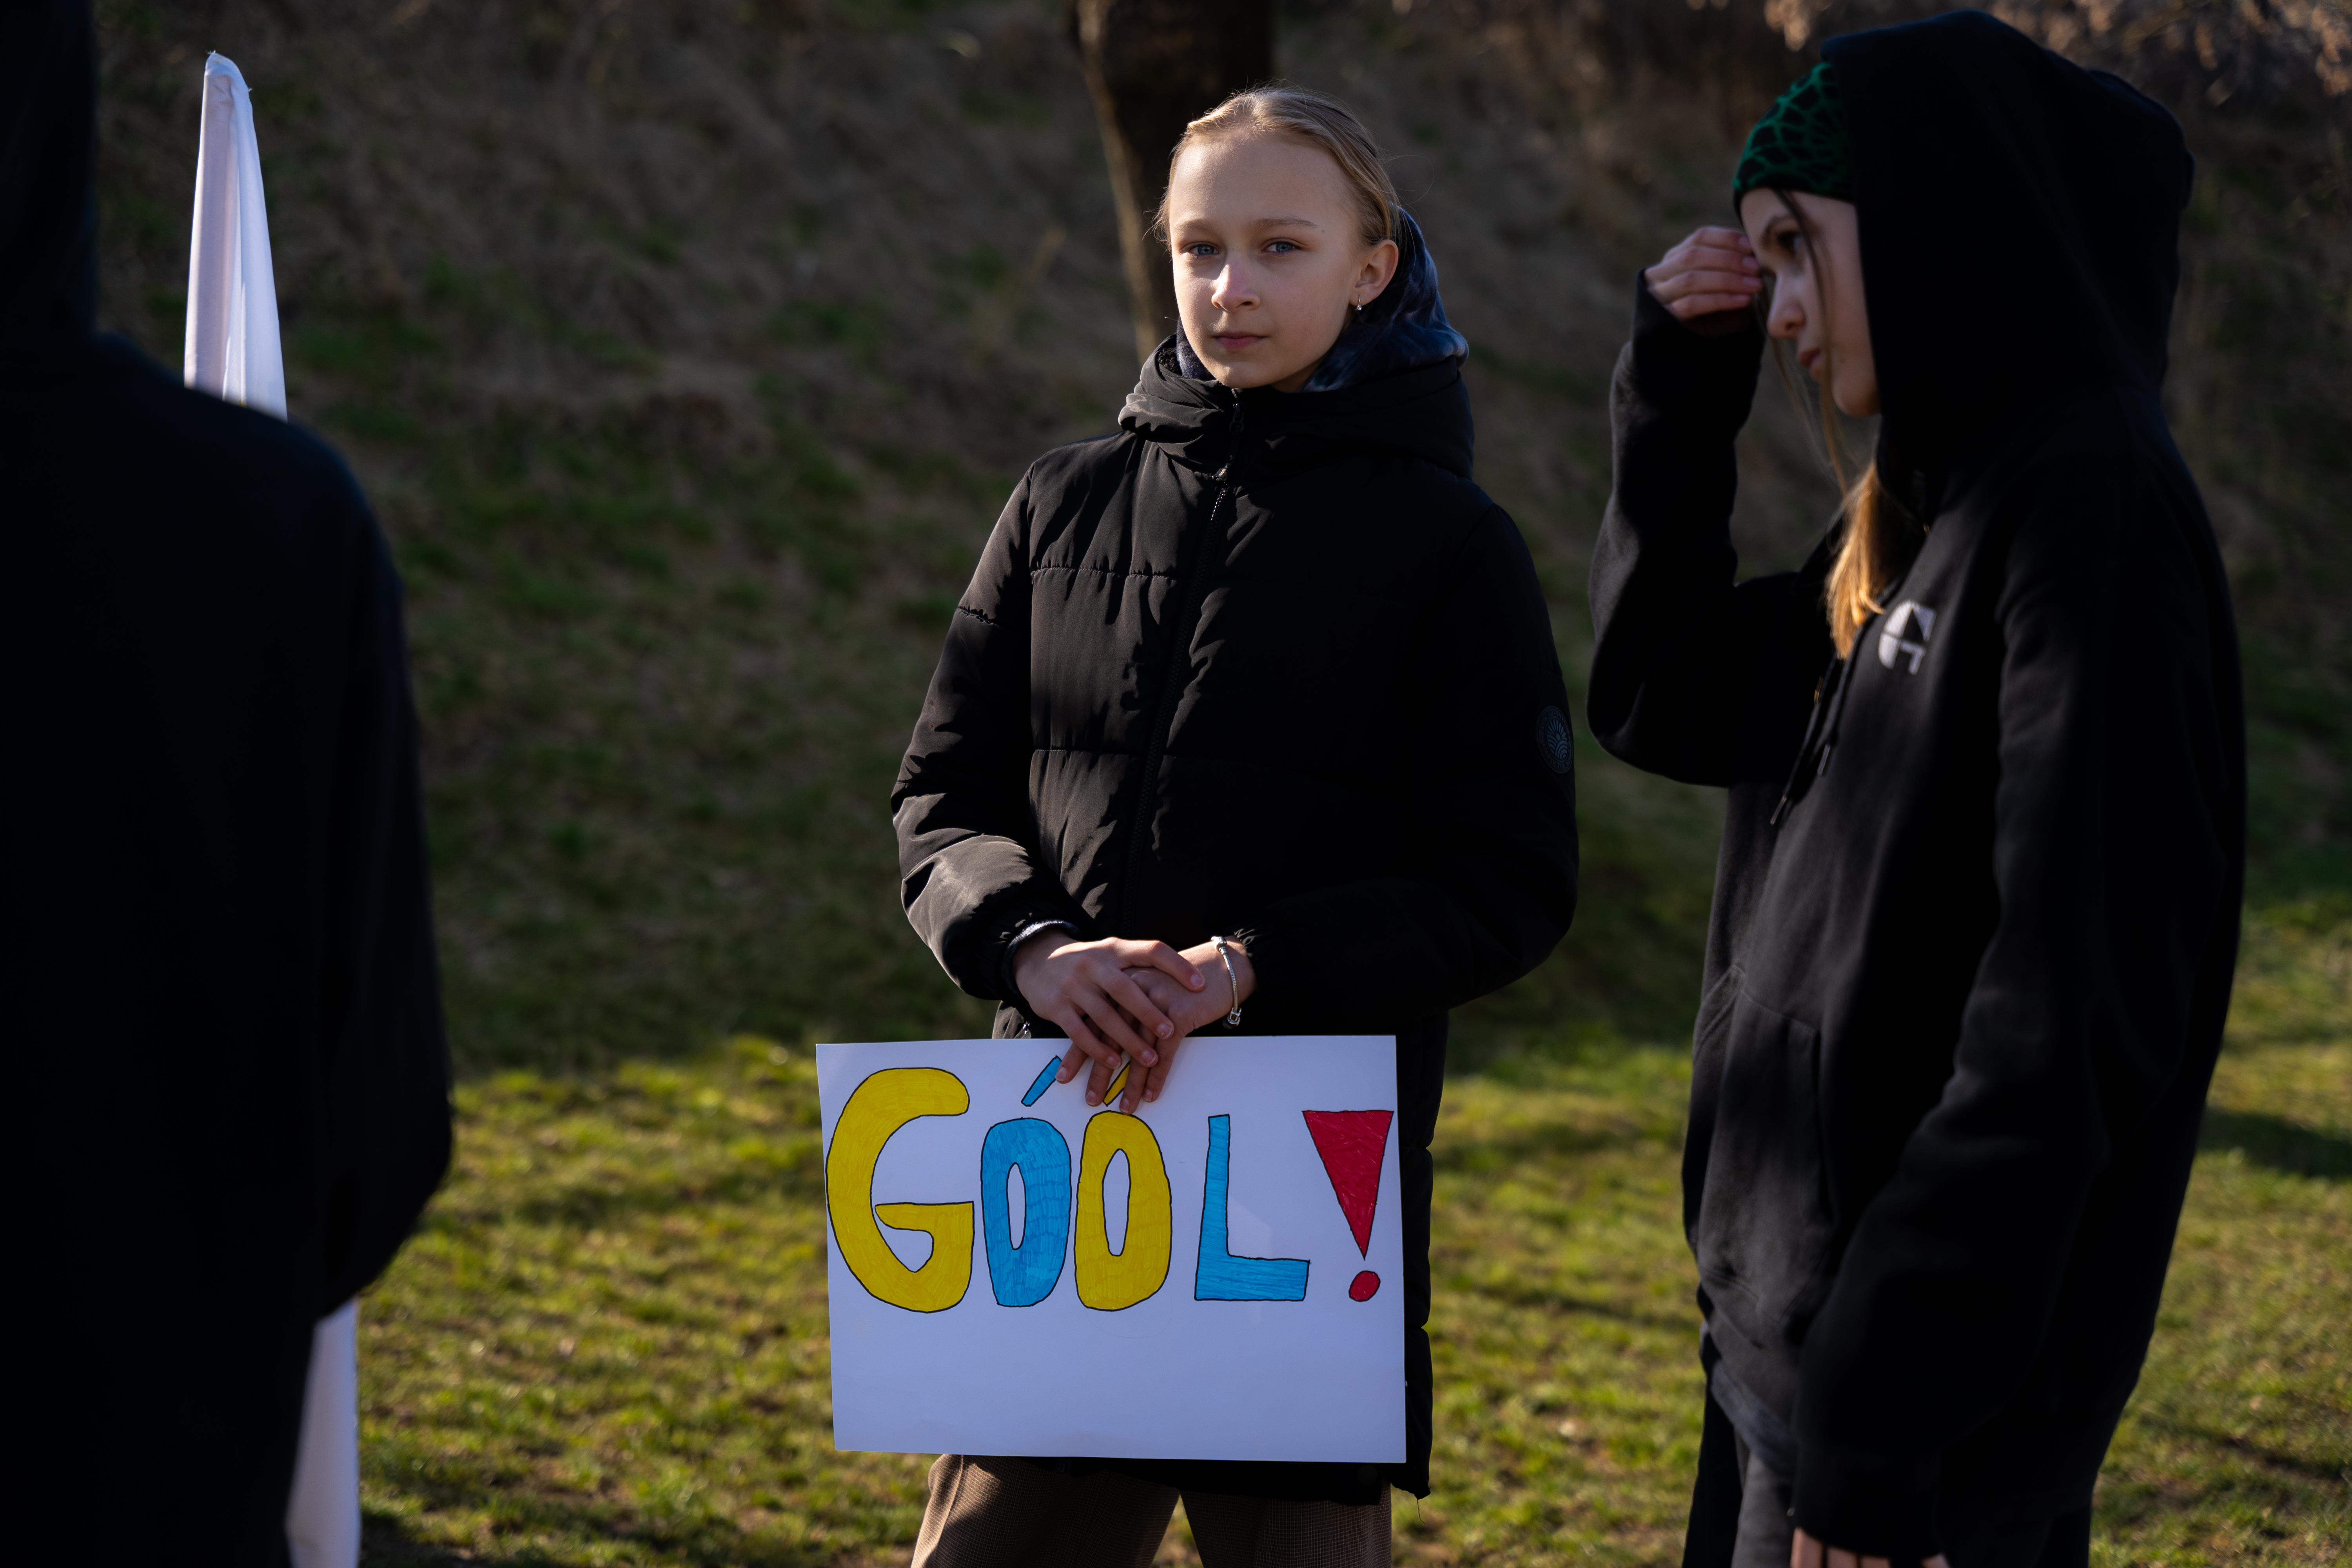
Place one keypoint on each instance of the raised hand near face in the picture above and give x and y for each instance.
(1709, 281)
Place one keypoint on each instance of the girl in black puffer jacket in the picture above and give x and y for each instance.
(1265, 669)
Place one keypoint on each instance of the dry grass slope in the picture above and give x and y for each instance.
(688, 349)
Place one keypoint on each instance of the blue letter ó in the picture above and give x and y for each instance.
(1025, 1275)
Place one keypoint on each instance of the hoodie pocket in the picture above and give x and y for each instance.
(1764, 1234)
(1707, 1082)
(1714, 1011)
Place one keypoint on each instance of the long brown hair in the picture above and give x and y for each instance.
(1877, 537)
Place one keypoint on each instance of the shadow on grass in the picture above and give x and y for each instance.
(1536, 1295)
(385, 1544)
(585, 1208)
(1520, 1148)
(2320, 1469)
(2276, 1142)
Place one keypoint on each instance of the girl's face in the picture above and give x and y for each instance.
(1816, 300)
(1270, 258)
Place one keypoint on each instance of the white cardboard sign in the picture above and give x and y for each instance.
(1218, 1276)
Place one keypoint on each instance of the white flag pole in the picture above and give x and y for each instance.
(233, 352)
(322, 1511)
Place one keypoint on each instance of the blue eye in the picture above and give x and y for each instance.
(1282, 246)
(1201, 247)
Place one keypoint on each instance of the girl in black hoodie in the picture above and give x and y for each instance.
(1977, 910)
(1251, 718)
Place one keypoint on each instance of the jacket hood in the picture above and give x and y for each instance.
(49, 193)
(1391, 383)
(2020, 224)
(1422, 411)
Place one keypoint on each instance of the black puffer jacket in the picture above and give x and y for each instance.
(1271, 665)
(1977, 904)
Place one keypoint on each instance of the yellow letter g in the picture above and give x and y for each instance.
(878, 1108)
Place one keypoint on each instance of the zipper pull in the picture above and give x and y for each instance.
(1778, 812)
(1827, 747)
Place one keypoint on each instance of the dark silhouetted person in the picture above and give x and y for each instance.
(229, 1089)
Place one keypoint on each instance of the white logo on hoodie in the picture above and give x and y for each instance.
(1906, 631)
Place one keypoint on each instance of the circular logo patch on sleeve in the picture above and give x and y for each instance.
(1553, 739)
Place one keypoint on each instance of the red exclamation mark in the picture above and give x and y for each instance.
(1351, 1143)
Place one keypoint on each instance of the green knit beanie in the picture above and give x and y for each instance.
(1801, 144)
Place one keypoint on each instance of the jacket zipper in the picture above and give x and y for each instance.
(1819, 731)
(1196, 592)
(1822, 731)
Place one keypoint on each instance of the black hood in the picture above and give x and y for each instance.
(49, 162)
(2020, 226)
(1422, 411)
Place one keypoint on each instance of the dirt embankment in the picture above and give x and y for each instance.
(687, 347)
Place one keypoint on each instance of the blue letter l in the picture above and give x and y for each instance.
(1222, 1276)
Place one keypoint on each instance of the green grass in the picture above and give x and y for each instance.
(2238, 1447)
(608, 1343)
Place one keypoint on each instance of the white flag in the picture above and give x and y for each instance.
(232, 348)
(233, 354)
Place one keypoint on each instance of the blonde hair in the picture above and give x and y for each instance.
(1872, 553)
(1877, 537)
(1316, 121)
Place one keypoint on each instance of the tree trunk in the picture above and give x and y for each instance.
(1154, 65)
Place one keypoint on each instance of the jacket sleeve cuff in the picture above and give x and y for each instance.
(1872, 1504)
(1676, 368)
(1008, 989)
(993, 954)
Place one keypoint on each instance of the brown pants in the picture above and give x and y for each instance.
(1008, 1513)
